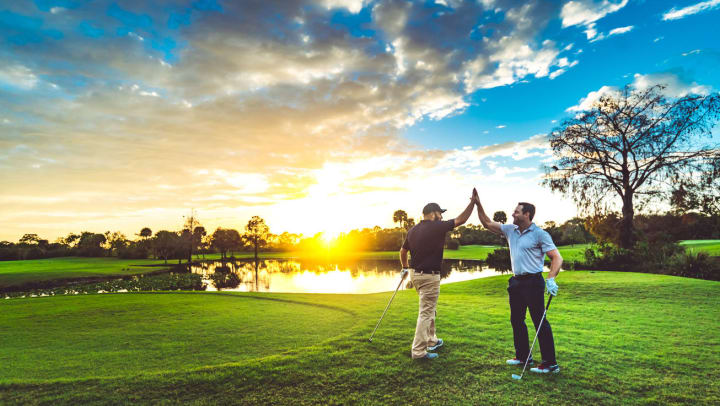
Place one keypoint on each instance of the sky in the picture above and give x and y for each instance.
(317, 115)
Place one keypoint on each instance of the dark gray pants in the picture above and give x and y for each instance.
(529, 292)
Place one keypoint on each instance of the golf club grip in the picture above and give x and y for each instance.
(548, 303)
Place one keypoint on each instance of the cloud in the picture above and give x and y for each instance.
(18, 76)
(587, 102)
(247, 110)
(620, 30)
(353, 6)
(587, 12)
(675, 87)
(674, 14)
(614, 31)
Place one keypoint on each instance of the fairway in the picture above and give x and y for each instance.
(621, 338)
(14, 273)
(127, 334)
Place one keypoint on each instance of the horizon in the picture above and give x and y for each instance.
(325, 116)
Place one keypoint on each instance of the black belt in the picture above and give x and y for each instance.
(526, 276)
(427, 272)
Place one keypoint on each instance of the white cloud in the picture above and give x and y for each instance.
(675, 86)
(57, 10)
(587, 12)
(587, 102)
(674, 14)
(694, 51)
(620, 30)
(513, 60)
(353, 6)
(501, 126)
(615, 31)
(18, 76)
(556, 73)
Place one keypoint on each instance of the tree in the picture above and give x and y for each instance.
(199, 235)
(115, 241)
(165, 244)
(401, 217)
(188, 234)
(634, 144)
(410, 223)
(500, 217)
(256, 233)
(225, 240)
(145, 233)
(29, 239)
(90, 244)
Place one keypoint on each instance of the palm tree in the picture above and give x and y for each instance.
(401, 217)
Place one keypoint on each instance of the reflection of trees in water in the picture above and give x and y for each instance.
(224, 278)
(255, 276)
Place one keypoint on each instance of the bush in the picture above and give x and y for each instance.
(452, 244)
(500, 260)
(34, 253)
(692, 265)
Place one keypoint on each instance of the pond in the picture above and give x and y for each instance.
(300, 276)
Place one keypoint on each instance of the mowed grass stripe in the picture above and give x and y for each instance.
(89, 336)
(622, 338)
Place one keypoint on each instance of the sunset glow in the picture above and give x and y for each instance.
(318, 116)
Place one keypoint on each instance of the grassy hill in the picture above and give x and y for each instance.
(622, 338)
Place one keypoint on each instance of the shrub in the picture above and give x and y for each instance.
(452, 244)
(692, 265)
(133, 252)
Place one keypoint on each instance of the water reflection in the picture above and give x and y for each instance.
(301, 276)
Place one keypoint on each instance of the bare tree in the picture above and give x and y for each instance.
(635, 145)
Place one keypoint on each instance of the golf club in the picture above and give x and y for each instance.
(518, 377)
(388, 306)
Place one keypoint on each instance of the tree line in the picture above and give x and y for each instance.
(193, 239)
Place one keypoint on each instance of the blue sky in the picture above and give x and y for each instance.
(115, 115)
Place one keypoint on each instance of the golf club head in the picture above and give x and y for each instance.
(370, 340)
(517, 377)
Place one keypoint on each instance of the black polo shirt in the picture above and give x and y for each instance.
(426, 241)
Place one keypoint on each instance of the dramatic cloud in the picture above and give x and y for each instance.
(674, 14)
(239, 106)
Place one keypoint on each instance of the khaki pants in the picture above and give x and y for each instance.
(428, 289)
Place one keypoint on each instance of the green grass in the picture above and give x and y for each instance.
(14, 273)
(712, 247)
(622, 338)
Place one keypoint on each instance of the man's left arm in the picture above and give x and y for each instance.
(404, 250)
(556, 260)
(465, 215)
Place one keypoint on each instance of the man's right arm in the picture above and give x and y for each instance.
(493, 226)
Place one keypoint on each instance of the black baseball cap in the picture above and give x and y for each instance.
(431, 207)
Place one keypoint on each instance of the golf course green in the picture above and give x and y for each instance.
(622, 338)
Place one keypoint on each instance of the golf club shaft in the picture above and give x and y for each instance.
(536, 336)
(387, 307)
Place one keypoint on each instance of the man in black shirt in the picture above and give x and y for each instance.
(425, 242)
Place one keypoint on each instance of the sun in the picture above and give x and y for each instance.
(329, 238)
